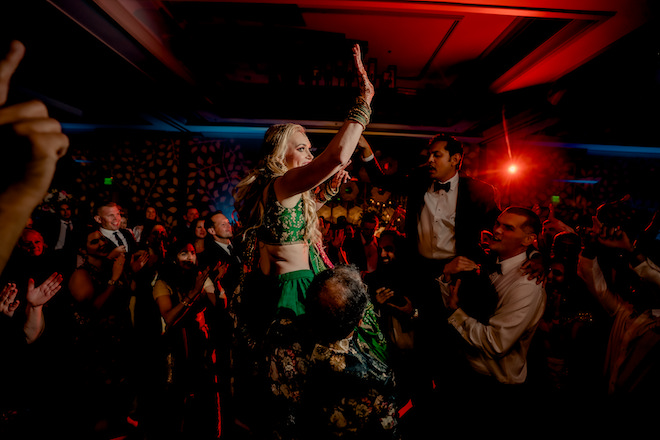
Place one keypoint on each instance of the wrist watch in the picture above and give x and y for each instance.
(111, 282)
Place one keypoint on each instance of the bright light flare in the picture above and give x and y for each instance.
(513, 169)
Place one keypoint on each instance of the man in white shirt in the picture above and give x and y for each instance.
(497, 349)
(108, 216)
(220, 249)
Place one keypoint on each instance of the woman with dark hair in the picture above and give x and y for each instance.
(103, 335)
(184, 295)
(198, 237)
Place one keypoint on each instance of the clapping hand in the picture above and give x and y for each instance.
(8, 303)
(139, 260)
(38, 296)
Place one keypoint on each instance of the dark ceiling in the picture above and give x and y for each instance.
(577, 71)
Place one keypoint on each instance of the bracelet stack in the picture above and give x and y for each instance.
(330, 192)
(360, 113)
(326, 193)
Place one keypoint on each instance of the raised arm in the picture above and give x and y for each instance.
(338, 153)
(36, 142)
(36, 298)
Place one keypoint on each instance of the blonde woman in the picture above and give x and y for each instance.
(277, 203)
(281, 240)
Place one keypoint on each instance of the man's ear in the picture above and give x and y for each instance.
(456, 160)
(97, 219)
(211, 231)
(529, 239)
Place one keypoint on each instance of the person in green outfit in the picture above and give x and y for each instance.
(281, 244)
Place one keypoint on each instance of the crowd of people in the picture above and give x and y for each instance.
(286, 326)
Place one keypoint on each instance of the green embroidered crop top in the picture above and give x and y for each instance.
(282, 225)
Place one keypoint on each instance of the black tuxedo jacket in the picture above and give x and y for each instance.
(214, 253)
(49, 227)
(476, 209)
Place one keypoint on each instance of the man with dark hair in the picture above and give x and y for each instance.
(448, 210)
(362, 249)
(496, 348)
(59, 231)
(445, 215)
(186, 225)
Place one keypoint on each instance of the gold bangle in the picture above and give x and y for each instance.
(185, 303)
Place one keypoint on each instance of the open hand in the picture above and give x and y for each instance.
(8, 303)
(367, 90)
(38, 296)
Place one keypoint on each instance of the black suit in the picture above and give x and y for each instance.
(214, 253)
(476, 210)
(50, 226)
(127, 238)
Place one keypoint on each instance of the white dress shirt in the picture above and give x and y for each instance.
(224, 246)
(110, 235)
(65, 227)
(503, 343)
(437, 223)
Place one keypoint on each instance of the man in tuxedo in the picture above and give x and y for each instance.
(59, 232)
(108, 217)
(186, 227)
(445, 215)
(362, 249)
(219, 248)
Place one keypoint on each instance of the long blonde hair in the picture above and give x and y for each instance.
(248, 195)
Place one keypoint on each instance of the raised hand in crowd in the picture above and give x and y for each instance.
(32, 143)
(8, 303)
(36, 298)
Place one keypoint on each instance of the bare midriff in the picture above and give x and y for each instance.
(277, 259)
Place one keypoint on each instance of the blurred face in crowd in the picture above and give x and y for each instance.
(158, 232)
(186, 257)
(368, 229)
(200, 230)
(109, 217)
(32, 242)
(150, 213)
(298, 151)
(386, 250)
(441, 166)
(97, 245)
(191, 215)
(65, 211)
(221, 227)
(556, 276)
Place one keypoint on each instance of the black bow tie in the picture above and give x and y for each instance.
(494, 268)
(437, 186)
